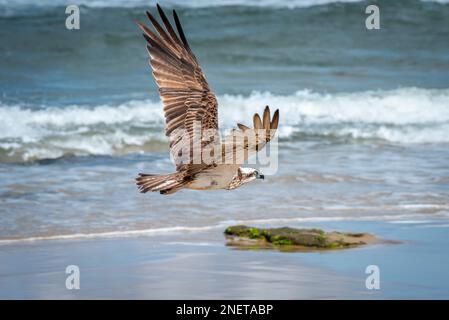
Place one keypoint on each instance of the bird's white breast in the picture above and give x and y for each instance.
(218, 177)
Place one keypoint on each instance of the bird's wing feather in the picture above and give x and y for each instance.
(244, 142)
(183, 88)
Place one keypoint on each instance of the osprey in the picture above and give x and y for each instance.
(191, 109)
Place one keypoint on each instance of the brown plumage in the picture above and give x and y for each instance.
(188, 100)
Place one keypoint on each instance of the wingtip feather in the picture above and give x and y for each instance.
(275, 121)
(180, 30)
(266, 118)
(242, 127)
(257, 122)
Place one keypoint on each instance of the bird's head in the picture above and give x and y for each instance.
(249, 174)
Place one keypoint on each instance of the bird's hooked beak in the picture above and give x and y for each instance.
(259, 176)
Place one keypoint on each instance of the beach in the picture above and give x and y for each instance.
(362, 146)
(198, 265)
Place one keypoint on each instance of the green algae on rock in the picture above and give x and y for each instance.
(291, 238)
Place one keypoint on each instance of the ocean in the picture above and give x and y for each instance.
(364, 115)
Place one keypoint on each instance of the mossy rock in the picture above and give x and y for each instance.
(292, 238)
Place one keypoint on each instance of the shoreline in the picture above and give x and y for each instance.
(222, 225)
(201, 266)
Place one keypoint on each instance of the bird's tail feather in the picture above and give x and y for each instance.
(164, 183)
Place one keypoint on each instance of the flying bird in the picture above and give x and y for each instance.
(188, 101)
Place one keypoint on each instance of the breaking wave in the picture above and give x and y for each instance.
(406, 116)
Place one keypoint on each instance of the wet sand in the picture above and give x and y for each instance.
(201, 266)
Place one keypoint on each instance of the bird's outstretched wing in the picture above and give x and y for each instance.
(183, 88)
(244, 142)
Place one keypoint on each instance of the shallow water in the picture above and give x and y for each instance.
(198, 265)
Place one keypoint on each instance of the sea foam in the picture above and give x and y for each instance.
(405, 116)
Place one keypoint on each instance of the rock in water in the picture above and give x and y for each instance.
(291, 238)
